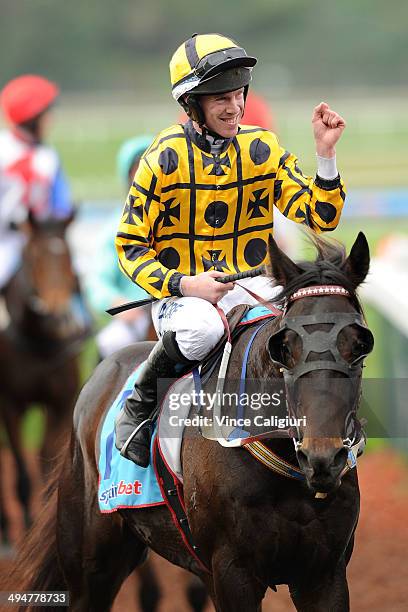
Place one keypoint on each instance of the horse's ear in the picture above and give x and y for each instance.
(282, 267)
(357, 263)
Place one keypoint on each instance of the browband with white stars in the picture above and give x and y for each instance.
(319, 290)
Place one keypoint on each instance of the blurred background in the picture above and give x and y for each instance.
(111, 61)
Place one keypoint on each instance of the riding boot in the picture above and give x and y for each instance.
(133, 425)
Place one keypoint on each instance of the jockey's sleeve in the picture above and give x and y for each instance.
(317, 202)
(135, 237)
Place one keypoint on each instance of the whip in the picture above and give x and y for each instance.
(230, 278)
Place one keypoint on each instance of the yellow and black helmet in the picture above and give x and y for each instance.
(208, 64)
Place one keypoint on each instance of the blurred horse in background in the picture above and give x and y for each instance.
(39, 348)
(39, 363)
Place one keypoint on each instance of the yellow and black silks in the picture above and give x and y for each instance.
(189, 211)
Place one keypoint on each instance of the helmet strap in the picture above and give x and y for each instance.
(203, 141)
(192, 107)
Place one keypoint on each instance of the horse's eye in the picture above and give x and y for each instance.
(286, 350)
(287, 355)
(357, 349)
(284, 346)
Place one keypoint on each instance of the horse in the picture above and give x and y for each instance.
(254, 528)
(39, 347)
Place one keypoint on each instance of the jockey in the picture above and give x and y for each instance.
(201, 206)
(32, 183)
(107, 285)
(31, 178)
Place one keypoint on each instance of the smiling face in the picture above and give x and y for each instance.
(223, 112)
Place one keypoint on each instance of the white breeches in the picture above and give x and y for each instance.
(196, 322)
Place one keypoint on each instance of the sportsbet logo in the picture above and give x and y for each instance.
(123, 488)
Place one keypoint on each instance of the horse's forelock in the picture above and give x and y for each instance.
(326, 269)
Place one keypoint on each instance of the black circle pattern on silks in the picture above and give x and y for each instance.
(216, 213)
(169, 257)
(255, 251)
(168, 160)
(326, 211)
(259, 151)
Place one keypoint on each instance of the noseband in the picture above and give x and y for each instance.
(322, 342)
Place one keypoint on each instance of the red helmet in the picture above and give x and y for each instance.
(26, 97)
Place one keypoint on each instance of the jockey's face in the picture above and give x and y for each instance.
(223, 112)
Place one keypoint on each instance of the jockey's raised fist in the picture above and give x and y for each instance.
(328, 126)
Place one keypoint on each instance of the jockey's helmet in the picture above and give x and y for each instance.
(26, 97)
(208, 64)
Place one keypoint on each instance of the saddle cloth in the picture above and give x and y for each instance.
(122, 483)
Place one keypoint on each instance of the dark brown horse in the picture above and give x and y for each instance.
(39, 347)
(254, 528)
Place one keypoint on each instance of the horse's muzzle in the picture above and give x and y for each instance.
(322, 467)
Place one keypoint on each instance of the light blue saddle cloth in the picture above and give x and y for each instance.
(122, 483)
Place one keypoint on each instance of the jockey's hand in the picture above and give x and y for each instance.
(328, 126)
(204, 286)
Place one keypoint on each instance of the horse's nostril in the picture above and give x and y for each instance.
(322, 464)
(340, 458)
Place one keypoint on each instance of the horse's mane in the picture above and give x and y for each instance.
(326, 269)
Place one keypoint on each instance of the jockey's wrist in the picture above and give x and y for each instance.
(327, 185)
(174, 285)
(326, 167)
(188, 285)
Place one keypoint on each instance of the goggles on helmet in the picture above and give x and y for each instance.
(211, 64)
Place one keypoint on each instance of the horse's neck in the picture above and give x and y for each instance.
(260, 367)
(259, 364)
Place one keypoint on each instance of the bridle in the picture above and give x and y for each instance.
(319, 341)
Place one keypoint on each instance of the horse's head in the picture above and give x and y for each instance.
(42, 294)
(319, 349)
